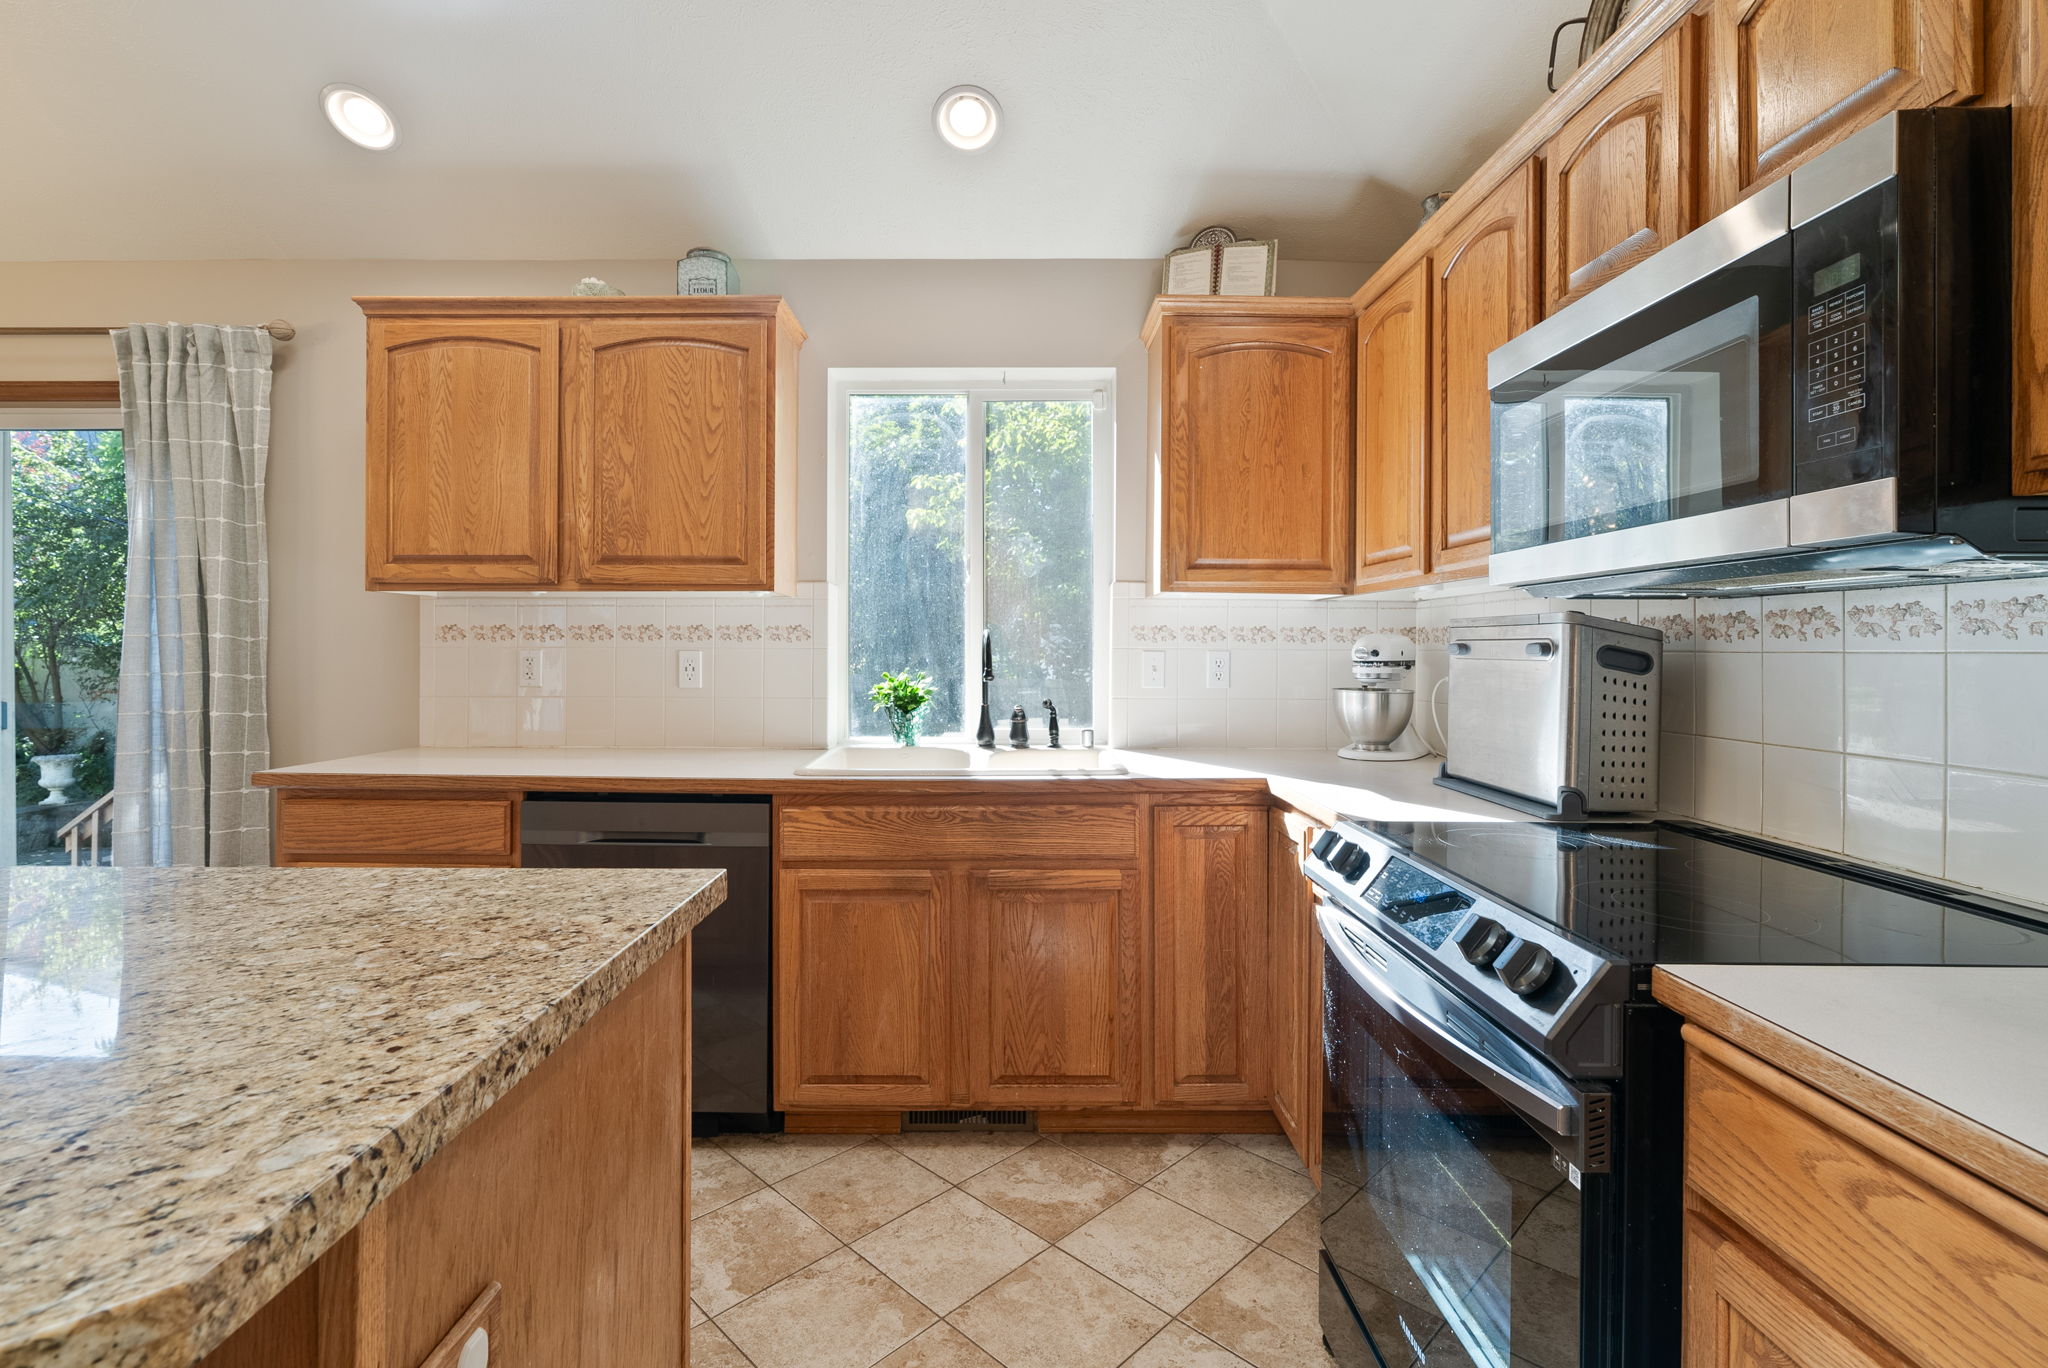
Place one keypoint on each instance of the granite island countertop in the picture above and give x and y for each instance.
(208, 1076)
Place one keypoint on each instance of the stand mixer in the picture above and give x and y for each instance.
(1376, 712)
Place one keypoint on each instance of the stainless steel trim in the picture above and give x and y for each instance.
(1719, 242)
(1866, 158)
(1536, 1094)
(1851, 513)
(1752, 529)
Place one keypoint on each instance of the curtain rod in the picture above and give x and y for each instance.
(276, 327)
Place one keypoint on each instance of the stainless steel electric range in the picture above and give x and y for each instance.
(1501, 1170)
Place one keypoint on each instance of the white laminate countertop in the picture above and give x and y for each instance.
(1317, 781)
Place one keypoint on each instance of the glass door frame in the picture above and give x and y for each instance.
(980, 386)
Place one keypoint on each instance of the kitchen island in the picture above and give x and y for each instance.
(333, 1116)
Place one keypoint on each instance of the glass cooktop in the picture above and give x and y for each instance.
(1672, 893)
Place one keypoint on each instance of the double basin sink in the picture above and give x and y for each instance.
(943, 761)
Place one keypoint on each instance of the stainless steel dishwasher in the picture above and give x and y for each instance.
(731, 990)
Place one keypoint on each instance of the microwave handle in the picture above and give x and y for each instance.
(1550, 1105)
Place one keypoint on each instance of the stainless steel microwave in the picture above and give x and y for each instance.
(1809, 391)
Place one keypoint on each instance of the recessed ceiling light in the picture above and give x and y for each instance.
(967, 117)
(357, 116)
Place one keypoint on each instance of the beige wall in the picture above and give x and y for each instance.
(344, 663)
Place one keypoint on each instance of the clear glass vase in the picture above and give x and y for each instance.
(906, 726)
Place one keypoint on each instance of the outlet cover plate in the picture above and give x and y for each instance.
(1216, 670)
(689, 669)
(1151, 669)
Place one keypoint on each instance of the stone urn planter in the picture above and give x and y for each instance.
(57, 773)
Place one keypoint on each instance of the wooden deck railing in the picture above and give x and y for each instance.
(87, 830)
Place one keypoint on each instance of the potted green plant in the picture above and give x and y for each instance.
(905, 697)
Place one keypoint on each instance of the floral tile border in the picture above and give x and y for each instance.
(1737, 625)
(2012, 618)
(1911, 620)
(1810, 623)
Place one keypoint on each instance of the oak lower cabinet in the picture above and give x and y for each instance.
(1209, 889)
(1789, 78)
(1054, 986)
(1816, 1237)
(1484, 291)
(1251, 425)
(582, 443)
(863, 987)
(1296, 992)
(1391, 531)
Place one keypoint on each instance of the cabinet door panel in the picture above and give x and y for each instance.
(1257, 455)
(669, 449)
(462, 453)
(1212, 1035)
(1792, 77)
(861, 1005)
(1296, 956)
(1744, 1310)
(1484, 294)
(1615, 187)
(1053, 1015)
(1393, 435)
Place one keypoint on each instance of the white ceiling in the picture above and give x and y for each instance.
(140, 129)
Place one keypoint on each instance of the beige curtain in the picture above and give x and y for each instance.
(195, 403)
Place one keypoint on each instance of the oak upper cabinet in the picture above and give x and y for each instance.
(1484, 291)
(1788, 78)
(1211, 1028)
(602, 443)
(463, 453)
(1055, 986)
(861, 988)
(670, 442)
(1296, 994)
(1616, 176)
(1252, 437)
(1392, 526)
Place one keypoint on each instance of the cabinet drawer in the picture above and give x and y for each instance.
(1067, 832)
(367, 829)
(1941, 1265)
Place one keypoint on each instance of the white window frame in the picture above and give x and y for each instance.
(1096, 385)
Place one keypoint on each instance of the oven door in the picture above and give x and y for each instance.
(1451, 1213)
(1648, 424)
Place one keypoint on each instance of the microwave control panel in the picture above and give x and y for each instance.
(1843, 263)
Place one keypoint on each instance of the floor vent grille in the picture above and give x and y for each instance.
(969, 1121)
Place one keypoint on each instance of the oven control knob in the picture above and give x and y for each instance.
(1525, 967)
(1350, 861)
(1326, 843)
(1481, 938)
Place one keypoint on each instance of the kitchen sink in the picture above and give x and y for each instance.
(941, 761)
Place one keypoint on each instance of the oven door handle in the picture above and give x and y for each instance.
(1549, 1103)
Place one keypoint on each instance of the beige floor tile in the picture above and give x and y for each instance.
(1158, 1249)
(1056, 1312)
(749, 1245)
(1277, 1148)
(1048, 1189)
(947, 1250)
(956, 1158)
(1182, 1346)
(939, 1347)
(697, 1316)
(1250, 1195)
(841, 1312)
(1136, 1157)
(717, 1178)
(1301, 1239)
(1264, 1311)
(861, 1190)
(776, 1157)
(711, 1349)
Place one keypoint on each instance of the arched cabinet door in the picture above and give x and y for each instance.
(1393, 435)
(1252, 444)
(463, 463)
(1484, 292)
(669, 445)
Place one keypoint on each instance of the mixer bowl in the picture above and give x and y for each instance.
(1374, 718)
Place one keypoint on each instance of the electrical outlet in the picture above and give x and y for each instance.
(529, 670)
(1216, 673)
(1151, 669)
(689, 669)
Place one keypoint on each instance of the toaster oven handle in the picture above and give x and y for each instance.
(1548, 1102)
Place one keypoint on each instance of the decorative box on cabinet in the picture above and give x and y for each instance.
(618, 443)
(1251, 418)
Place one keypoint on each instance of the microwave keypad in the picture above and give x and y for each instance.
(1836, 350)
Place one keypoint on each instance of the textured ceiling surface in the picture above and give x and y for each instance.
(137, 129)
